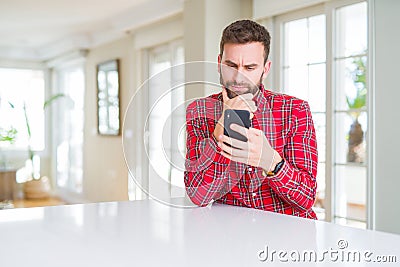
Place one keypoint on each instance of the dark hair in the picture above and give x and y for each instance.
(243, 32)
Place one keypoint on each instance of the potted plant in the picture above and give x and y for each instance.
(356, 150)
(36, 186)
(7, 176)
(6, 136)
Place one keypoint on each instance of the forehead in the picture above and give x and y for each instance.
(247, 53)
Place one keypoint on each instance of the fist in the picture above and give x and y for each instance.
(242, 102)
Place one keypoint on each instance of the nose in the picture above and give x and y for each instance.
(239, 76)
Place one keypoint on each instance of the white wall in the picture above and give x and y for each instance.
(387, 129)
(269, 8)
(105, 172)
(204, 21)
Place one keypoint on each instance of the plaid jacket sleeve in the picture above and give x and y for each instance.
(208, 175)
(296, 181)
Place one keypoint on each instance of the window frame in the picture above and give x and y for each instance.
(19, 154)
(170, 47)
(77, 60)
(328, 9)
(144, 39)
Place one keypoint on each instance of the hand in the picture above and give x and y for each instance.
(243, 102)
(256, 152)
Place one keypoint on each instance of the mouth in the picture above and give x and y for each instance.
(237, 88)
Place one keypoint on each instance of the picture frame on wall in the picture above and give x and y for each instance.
(108, 98)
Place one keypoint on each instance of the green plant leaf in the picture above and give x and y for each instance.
(358, 76)
(8, 135)
(28, 128)
(51, 99)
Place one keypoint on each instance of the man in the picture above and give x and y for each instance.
(275, 169)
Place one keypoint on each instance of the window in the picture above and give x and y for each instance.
(308, 64)
(350, 115)
(21, 88)
(68, 134)
(304, 68)
(166, 120)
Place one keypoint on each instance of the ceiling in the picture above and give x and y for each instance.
(42, 29)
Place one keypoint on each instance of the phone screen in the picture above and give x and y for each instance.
(240, 117)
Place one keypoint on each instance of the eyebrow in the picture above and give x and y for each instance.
(234, 64)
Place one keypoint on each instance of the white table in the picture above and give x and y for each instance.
(147, 233)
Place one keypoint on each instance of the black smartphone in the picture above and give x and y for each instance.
(239, 117)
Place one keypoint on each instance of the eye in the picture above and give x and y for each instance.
(250, 68)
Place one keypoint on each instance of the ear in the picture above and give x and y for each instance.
(266, 70)
(219, 63)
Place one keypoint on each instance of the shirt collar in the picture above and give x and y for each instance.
(261, 97)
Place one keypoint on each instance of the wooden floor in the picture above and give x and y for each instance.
(29, 203)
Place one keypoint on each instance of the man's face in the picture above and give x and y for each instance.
(242, 68)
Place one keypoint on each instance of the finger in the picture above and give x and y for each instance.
(240, 129)
(226, 155)
(233, 158)
(240, 105)
(249, 104)
(252, 106)
(256, 132)
(247, 96)
(233, 151)
(233, 142)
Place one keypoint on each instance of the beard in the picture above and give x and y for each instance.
(251, 88)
